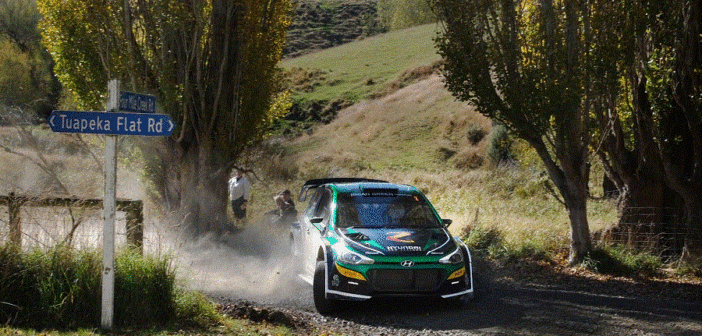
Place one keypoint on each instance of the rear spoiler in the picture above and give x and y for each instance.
(311, 184)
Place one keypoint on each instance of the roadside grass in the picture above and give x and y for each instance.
(60, 288)
(690, 268)
(615, 260)
(618, 260)
(57, 292)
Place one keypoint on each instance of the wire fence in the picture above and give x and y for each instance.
(655, 230)
(48, 222)
(51, 226)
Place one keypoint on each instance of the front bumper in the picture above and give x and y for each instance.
(389, 280)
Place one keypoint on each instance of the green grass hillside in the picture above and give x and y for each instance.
(357, 70)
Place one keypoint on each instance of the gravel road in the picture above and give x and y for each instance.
(250, 275)
(506, 304)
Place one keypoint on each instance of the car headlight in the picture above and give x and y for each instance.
(351, 258)
(454, 258)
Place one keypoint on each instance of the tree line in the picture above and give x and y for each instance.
(618, 79)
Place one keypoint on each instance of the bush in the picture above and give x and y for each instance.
(500, 145)
(144, 290)
(620, 261)
(400, 14)
(483, 239)
(475, 134)
(61, 288)
(194, 309)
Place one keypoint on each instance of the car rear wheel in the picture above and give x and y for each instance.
(323, 304)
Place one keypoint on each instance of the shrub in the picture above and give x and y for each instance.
(620, 261)
(144, 289)
(18, 290)
(194, 309)
(483, 239)
(475, 134)
(58, 288)
(500, 145)
(61, 288)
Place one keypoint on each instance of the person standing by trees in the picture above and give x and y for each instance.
(239, 192)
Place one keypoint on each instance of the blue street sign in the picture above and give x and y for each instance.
(136, 102)
(115, 123)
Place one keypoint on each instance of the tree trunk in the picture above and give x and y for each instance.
(643, 214)
(638, 172)
(580, 242)
(572, 184)
(204, 192)
(683, 163)
(692, 246)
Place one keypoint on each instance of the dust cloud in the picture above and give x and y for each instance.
(252, 264)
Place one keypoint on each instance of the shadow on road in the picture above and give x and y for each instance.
(517, 309)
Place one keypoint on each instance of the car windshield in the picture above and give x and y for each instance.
(376, 211)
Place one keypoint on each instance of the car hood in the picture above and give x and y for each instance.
(399, 241)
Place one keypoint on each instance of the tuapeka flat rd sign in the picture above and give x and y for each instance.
(115, 123)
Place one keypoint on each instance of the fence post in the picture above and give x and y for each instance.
(14, 204)
(135, 225)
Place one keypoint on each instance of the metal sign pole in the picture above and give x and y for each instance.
(113, 122)
(108, 241)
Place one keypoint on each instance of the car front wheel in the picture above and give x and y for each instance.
(323, 304)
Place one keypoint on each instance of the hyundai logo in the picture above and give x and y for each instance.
(407, 263)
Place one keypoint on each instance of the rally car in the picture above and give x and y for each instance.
(365, 238)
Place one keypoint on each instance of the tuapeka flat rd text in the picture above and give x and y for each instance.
(111, 123)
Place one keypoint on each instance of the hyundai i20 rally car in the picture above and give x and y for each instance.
(362, 238)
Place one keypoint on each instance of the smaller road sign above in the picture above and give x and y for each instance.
(115, 123)
(136, 102)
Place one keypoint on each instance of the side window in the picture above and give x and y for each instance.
(312, 205)
(323, 208)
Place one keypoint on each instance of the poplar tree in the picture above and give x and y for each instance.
(522, 63)
(210, 63)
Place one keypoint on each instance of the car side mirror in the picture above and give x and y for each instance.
(446, 221)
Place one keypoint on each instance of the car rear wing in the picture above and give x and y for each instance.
(311, 184)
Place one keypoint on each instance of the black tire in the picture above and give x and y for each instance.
(458, 302)
(323, 305)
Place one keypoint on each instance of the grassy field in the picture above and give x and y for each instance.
(356, 70)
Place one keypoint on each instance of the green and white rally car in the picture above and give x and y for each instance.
(364, 238)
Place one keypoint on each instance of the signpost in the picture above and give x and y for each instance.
(108, 229)
(127, 114)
